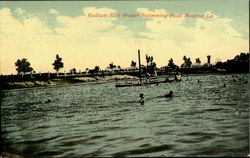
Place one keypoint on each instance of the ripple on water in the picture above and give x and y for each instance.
(140, 151)
(85, 141)
(203, 119)
(40, 140)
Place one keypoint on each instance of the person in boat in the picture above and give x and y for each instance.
(169, 95)
(141, 98)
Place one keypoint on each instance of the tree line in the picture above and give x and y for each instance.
(240, 63)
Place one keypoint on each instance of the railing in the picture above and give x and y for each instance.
(47, 76)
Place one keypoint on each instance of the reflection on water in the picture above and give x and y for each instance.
(202, 119)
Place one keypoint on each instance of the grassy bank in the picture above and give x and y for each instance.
(63, 81)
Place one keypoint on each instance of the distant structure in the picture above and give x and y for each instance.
(208, 59)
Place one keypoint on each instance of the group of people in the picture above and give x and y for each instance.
(168, 95)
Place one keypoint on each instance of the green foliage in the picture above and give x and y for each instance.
(58, 63)
(23, 66)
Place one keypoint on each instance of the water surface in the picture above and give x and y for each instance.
(202, 119)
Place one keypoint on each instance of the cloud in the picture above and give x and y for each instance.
(53, 11)
(75, 39)
(20, 11)
(84, 42)
(147, 11)
(21, 38)
(215, 37)
(94, 10)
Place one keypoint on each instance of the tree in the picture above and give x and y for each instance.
(197, 61)
(151, 66)
(187, 62)
(240, 63)
(172, 65)
(149, 60)
(97, 68)
(184, 58)
(133, 63)
(73, 71)
(23, 66)
(58, 63)
(112, 66)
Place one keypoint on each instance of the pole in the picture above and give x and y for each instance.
(139, 58)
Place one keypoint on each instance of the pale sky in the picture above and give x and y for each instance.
(39, 30)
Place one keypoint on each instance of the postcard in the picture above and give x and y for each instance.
(124, 78)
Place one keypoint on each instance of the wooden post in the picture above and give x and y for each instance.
(139, 58)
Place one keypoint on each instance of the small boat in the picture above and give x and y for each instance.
(143, 83)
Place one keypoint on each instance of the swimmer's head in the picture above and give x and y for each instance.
(141, 95)
(171, 92)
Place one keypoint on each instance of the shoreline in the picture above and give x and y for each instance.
(54, 86)
(53, 83)
(22, 85)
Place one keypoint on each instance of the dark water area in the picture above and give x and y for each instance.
(202, 119)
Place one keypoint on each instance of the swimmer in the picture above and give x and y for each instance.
(225, 85)
(141, 98)
(48, 101)
(170, 94)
